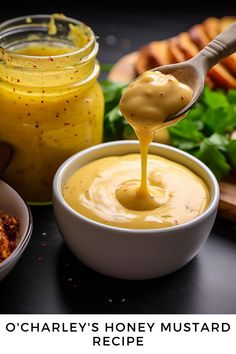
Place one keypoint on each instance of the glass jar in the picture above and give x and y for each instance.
(51, 104)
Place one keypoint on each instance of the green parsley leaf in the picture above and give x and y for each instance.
(113, 125)
(231, 95)
(185, 135)
(219, 141)
(220, 120)
(214, 99)
(106, 67)
(112, 93)
(186, 129)
(213, 158)
(128, 133)
(231, 153)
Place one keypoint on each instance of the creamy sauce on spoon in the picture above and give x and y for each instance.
(109, 190)
(146, 104)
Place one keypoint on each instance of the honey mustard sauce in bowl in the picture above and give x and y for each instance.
(133, 217)
(108, 191)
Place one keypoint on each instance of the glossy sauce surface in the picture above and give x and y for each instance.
(92, 191)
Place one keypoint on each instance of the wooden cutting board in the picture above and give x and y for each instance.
(124, 71)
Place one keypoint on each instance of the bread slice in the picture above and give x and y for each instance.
(143, 62)
(185, 46)
(219, 74)
(189, 49)
(175, 51)
(226, 21)
(154, 54)
(230, 62)
(160, 53)
(213, 27)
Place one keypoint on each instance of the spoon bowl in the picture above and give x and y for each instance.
(186, 73)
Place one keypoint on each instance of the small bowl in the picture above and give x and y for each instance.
(136, 253)
(14, 205)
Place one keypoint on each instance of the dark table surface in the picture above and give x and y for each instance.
(49, 279)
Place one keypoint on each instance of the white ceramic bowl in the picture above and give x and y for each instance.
(125, 253)
(14, 205)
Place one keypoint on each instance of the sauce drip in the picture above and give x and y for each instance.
(146, 104)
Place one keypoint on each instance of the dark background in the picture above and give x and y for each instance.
(48, 278)
(141, 21)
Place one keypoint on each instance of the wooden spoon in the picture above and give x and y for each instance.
(193, 72)
(5, 155)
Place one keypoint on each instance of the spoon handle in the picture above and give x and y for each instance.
(220, 47)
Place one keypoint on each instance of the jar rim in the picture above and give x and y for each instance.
(70, 68)
(5, 27)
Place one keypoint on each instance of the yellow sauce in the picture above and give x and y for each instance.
(52, 28)
(91, 191)
(44, 50)
(146, 104)
(109, 191)
(46, 116)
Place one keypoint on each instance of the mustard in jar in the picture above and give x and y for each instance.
(51, 104)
